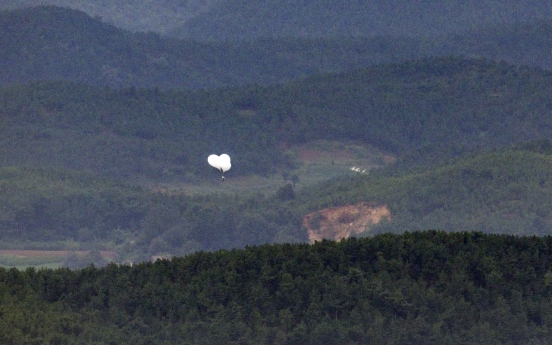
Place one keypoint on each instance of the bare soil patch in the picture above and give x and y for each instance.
(339, 222)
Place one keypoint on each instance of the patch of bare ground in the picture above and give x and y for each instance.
(340, 222)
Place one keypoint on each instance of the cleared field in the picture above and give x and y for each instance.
(24, 253)
(21, 258)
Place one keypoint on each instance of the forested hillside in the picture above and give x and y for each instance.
(51, 43)
(62, 142)
(96, 121)
(400, 107)
(167, 135)
(458, 105)
(519, 43)
(501, 191)
(416, 288)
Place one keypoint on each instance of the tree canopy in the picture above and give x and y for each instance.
(415, 288)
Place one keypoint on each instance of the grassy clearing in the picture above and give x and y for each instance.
(22, 262)
(22, 259)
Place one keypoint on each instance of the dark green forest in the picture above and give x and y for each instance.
(164, 135)
(230, 19)
(429, 287)
(52, 43)
(134, 15)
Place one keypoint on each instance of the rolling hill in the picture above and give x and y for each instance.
(166, 135)
(48, 43)
(137, 15)
(503, 191)
(236, 19)
(460, 108)
(414, 288)
(470, 106)
(52, 43)
(103, 157)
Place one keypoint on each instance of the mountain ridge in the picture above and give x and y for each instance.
(53, 43)
(230, 19)
(395, 108)
(236, 20)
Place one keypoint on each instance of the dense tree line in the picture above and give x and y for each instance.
(428, 287)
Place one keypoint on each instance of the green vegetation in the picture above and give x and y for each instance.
(236, 20)
(501, 191)
(166, 135)
(39, 262)
(52, 43)
(415, 288)
(53, 207)
(134, 16)
(62, 145)
(83, 169)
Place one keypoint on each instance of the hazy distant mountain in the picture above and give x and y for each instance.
(134, 15)
(53, 43)
(239, 19)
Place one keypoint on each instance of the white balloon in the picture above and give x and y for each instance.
(221, 162)
(213, 161)
(225, 162)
